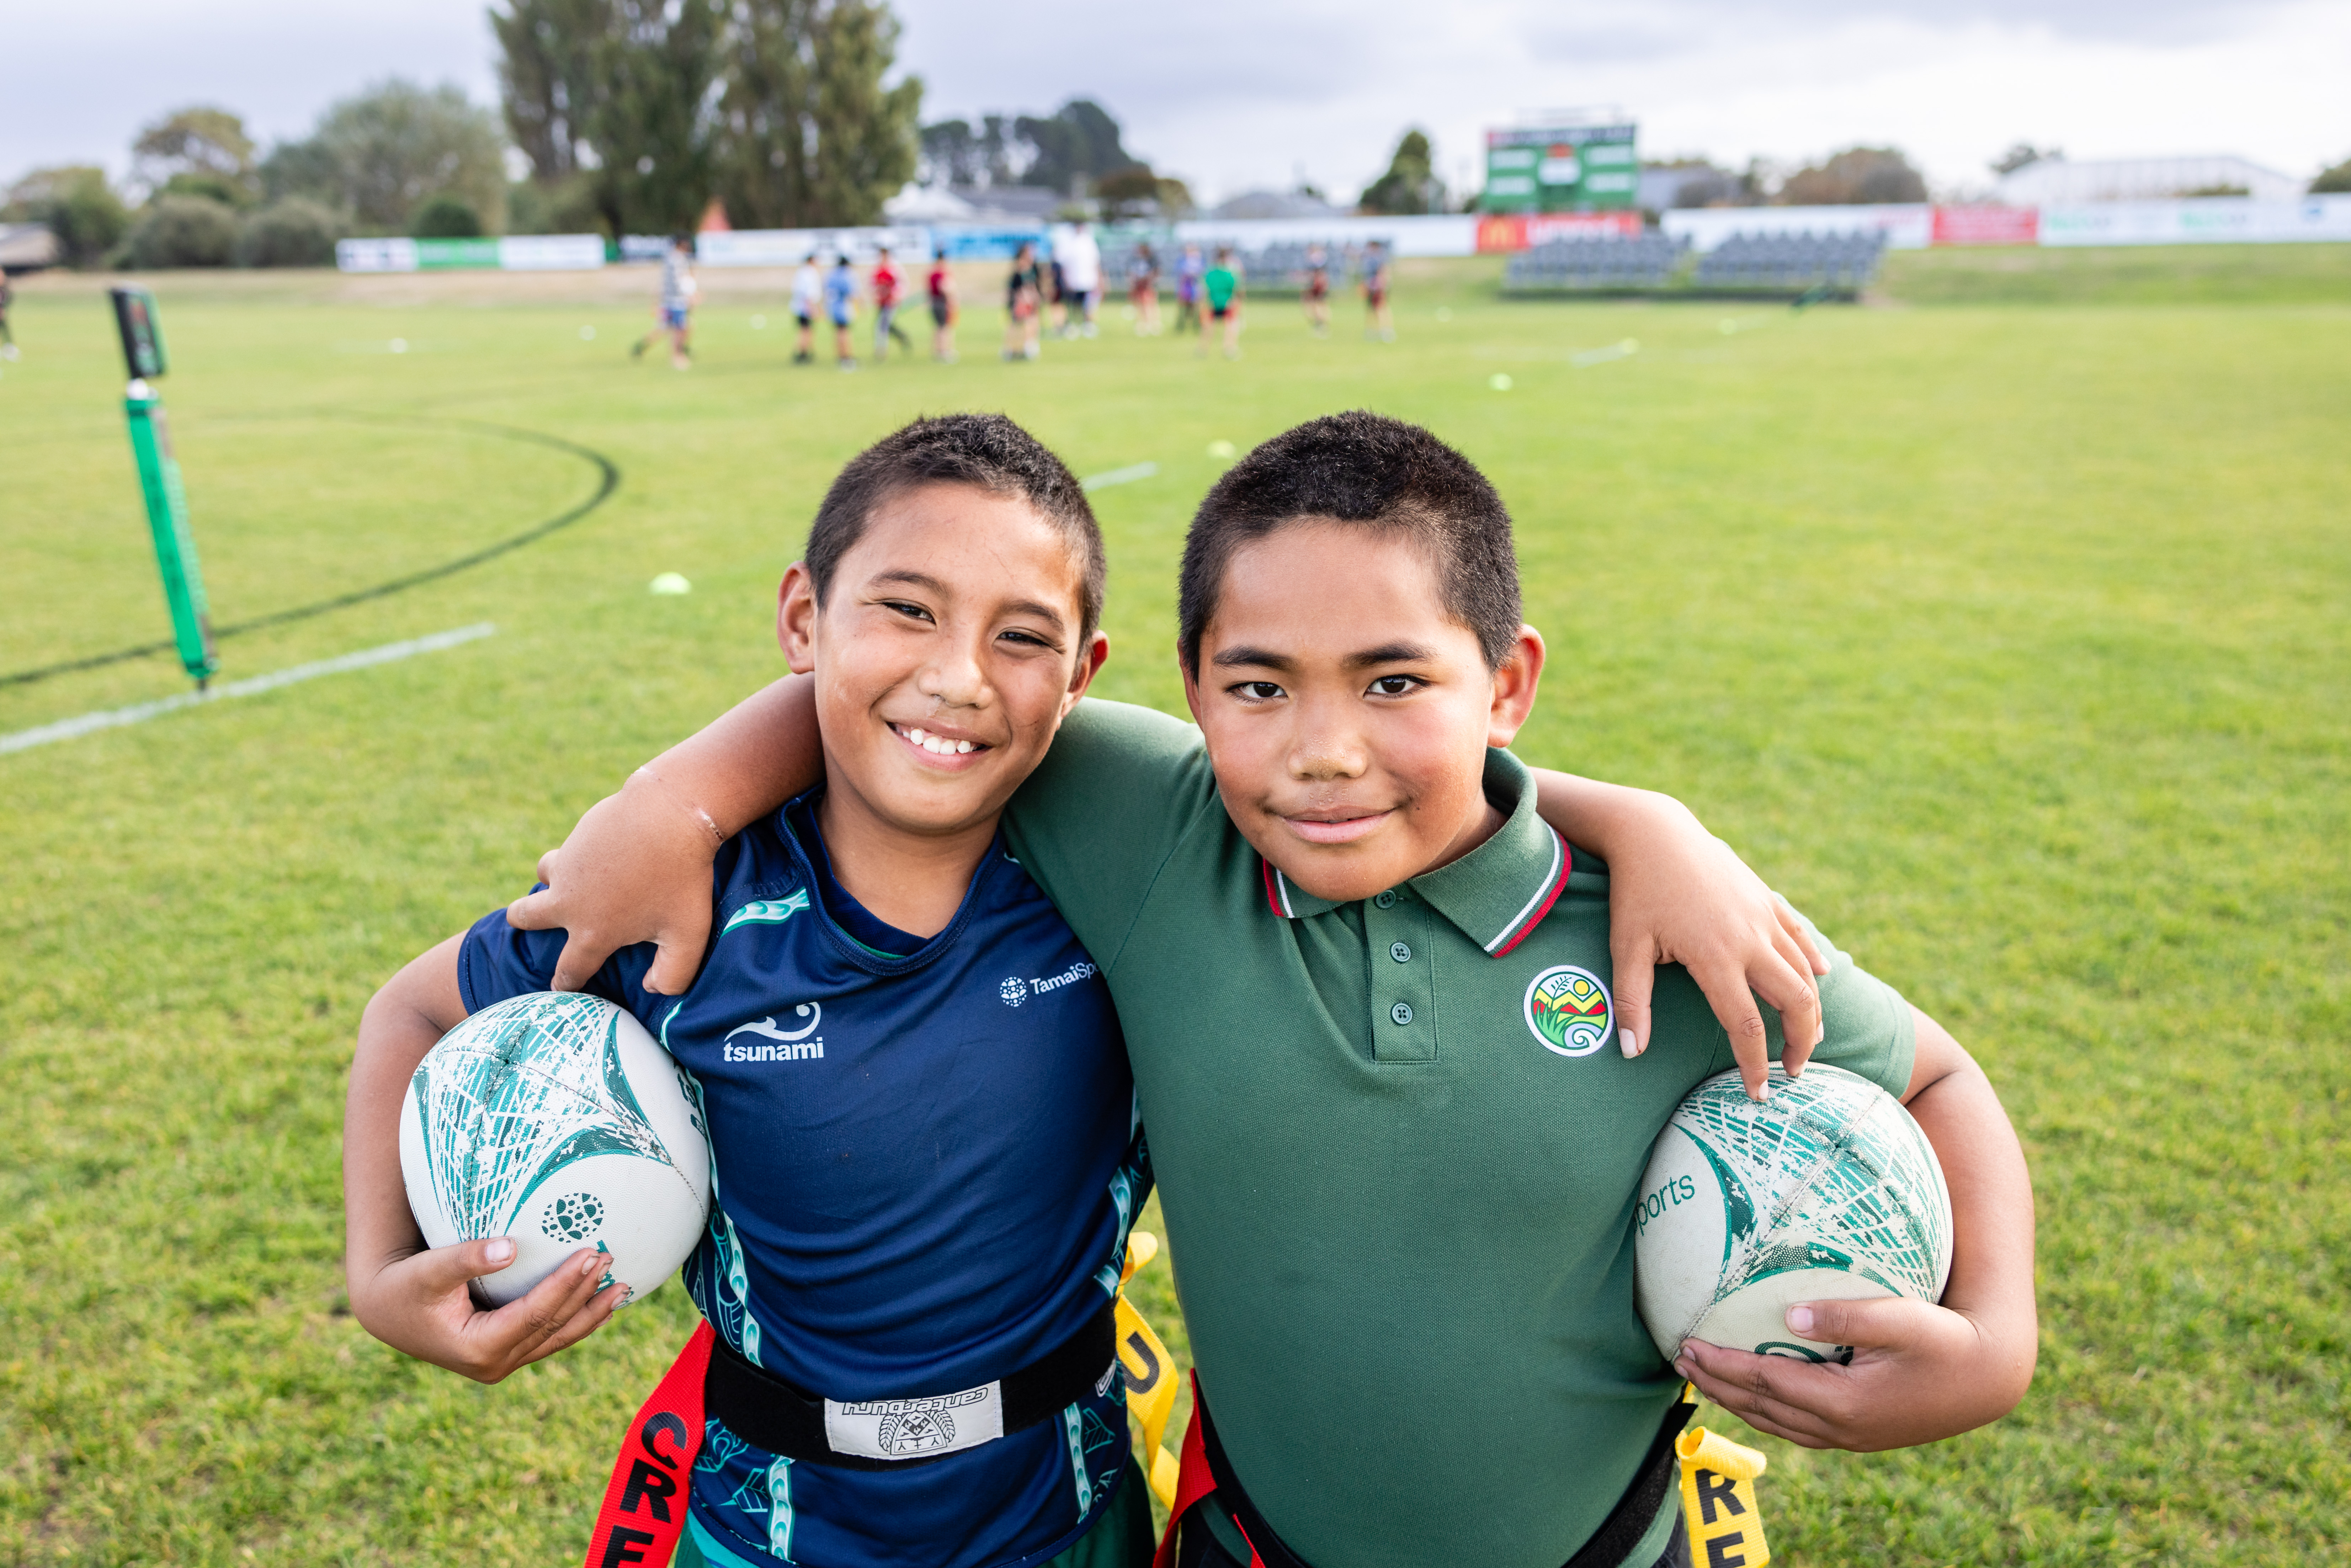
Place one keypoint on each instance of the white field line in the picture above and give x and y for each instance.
(1126, 475)
(68, 729)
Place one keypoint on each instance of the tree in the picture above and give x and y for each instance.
(2333, 181)
(652, 121)
(1857, 175)
(1128, 192)
(77, 204)
(1410, 186)
(812, 137)
(548, 79)
(1079, 142)
(182, 231)
(198, 149)
(2023, 154)
(386, 151)
(291, 233)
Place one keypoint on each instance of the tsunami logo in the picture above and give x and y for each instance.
(1569, 1010)
(791, 1045)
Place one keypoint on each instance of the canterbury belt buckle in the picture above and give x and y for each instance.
(915, 1428)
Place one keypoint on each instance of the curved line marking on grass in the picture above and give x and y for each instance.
(610, 482)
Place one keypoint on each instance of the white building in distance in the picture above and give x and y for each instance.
(2060, 182)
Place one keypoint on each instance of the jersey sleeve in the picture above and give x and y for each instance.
(496, 962)
(1867, 1025)
(1096, 822)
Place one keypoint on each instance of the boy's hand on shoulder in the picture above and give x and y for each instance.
(420, 1304)
(1919, 1373)
(634, 869)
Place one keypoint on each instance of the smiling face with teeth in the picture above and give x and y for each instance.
(947, 652)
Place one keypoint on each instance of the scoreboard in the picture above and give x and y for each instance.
(1561, 169)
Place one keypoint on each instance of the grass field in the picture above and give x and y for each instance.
(2008, 638)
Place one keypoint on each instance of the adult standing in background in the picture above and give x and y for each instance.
(675, 313)
(808, 298)
(1078, 255)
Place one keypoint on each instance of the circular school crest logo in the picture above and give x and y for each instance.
(1569, 1010)
(1015, 990)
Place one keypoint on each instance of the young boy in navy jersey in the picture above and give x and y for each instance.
(926, 1154)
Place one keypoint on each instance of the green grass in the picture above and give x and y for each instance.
(2009, 642)
(2122, 275)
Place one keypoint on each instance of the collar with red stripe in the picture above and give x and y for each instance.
(1494, 895)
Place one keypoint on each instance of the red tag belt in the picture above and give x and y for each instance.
(644, 1502)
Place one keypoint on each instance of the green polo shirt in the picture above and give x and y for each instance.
(1397, 1148)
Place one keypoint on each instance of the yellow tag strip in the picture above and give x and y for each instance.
(1150, 1372)
(1726, 1527)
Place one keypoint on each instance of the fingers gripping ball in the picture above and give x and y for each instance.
(1826, 1191)
(556, 1120)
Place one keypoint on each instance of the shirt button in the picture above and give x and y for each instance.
(1400, 952)
(1385, 900)
(1401, 1013)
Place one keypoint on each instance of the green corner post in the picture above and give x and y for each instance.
(159, 480)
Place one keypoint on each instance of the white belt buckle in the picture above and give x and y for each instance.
(915, 1428)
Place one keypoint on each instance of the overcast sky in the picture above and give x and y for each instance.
(1246, 95)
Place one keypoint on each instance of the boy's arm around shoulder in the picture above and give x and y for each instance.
(1919, 1372)
(412, 1297)
(1677, 894)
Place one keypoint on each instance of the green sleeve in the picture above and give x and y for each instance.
(1867, 1025)
(1099, 817)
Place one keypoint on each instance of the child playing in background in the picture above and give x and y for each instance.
(1024, 300)
(675, 314)
(1222, 286)
(808, 298)
(1317, 293)
(1378, 323)
(841, 304)
(1143, 289)
(1188, 268)
(942, 291)
(885, 309)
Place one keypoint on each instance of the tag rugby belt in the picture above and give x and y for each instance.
(890, 1434)
(643, 1511)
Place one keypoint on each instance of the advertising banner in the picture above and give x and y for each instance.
(513, 253)
(987, 241)
(2212, 220)
(790, 248)
(1561, 169)
(1522, 231)
(1987, 225)
(1443, 233)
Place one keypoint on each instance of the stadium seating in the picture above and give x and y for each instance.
(1840, 263)
(1596, 264)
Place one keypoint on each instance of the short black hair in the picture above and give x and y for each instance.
(1386, 475)
(986, 451)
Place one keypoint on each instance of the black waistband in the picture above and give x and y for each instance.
(769, 1413)
(1609, 1547)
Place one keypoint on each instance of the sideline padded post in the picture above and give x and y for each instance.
(159, 481)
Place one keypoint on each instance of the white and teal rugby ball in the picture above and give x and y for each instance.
(555, 1119)
(1826, 1191)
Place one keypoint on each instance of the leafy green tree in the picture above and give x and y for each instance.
(198, 151)
(548, 78)
(379, 154)
(652, 122)
(1078, 143)
(290, 233)
(1858, 175)
(811, 135)
(446, 217)
(78, 207)
(2333, 181)
(182, 231)
(1410, 186)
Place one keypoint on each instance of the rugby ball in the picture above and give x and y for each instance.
(1826, 1191)
(555, 1119)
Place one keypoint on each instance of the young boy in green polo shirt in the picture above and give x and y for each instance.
(1401, 1213)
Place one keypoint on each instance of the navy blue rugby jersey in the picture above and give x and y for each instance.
(927, 1161)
